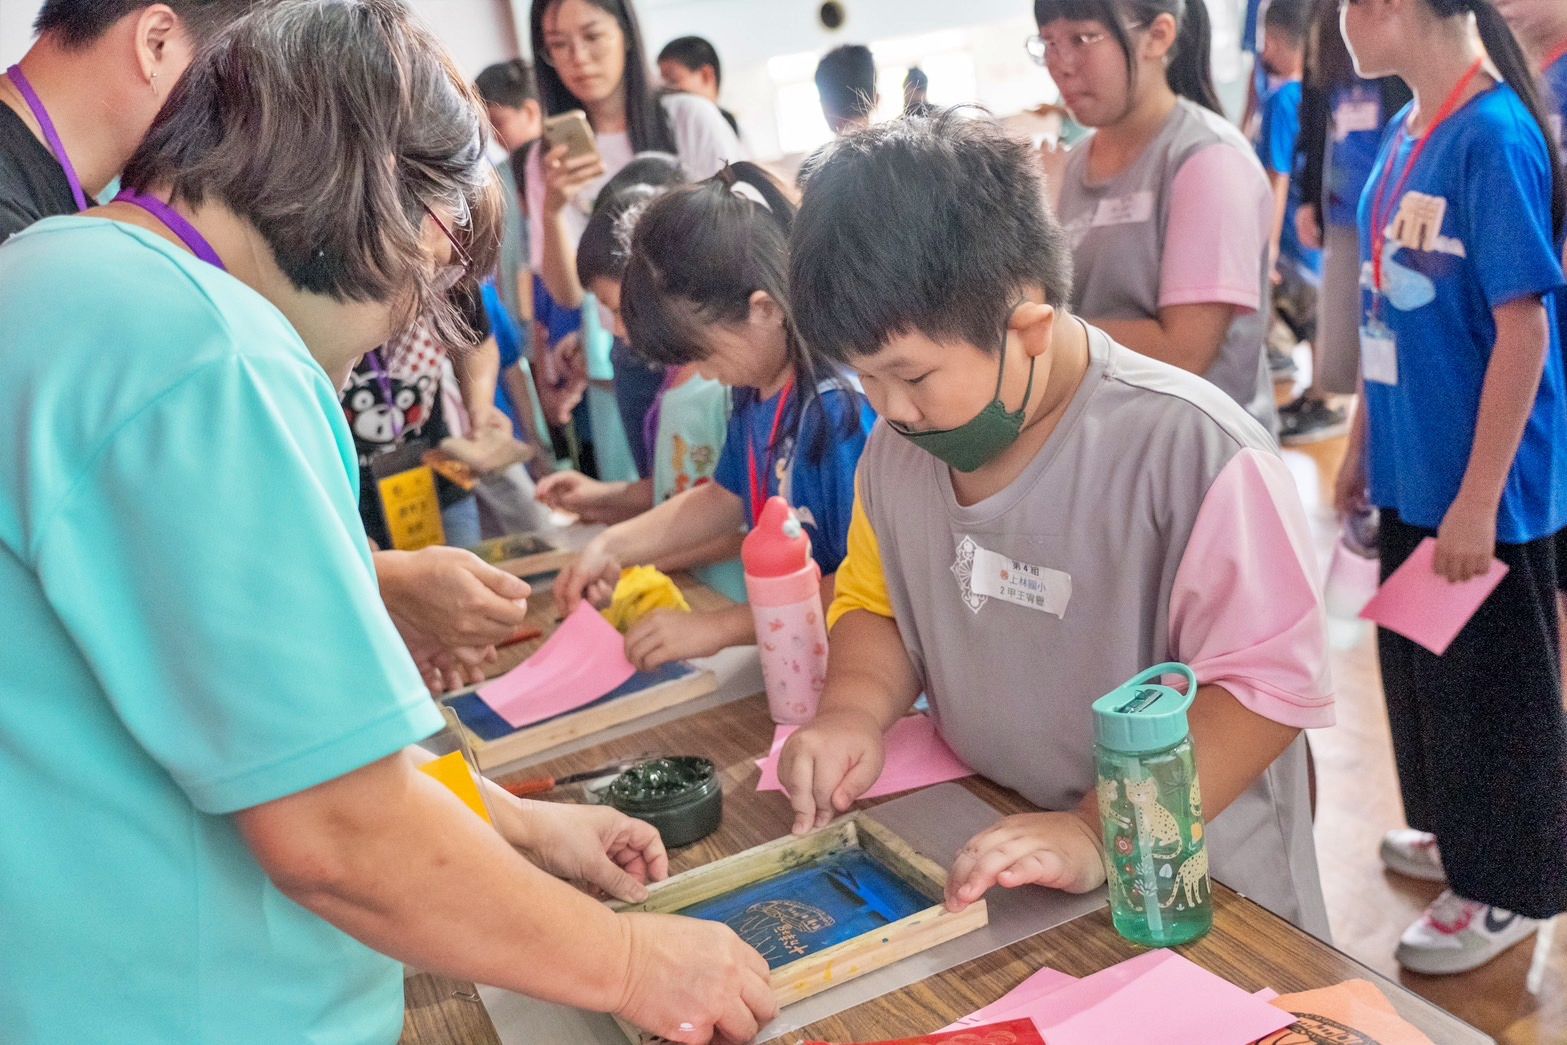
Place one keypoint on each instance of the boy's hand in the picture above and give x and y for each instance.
(1055, 850)
(1466, 540)
(828, 764)
(667, 636)
(573, 493)
(592, 576)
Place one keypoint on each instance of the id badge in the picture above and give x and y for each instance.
(1378, 353)
(409, 502)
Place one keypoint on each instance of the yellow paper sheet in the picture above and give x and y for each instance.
(452, 771)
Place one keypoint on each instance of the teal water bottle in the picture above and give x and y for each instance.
(1156, 859)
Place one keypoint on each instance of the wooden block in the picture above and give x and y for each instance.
(851, 958)
(495, 743)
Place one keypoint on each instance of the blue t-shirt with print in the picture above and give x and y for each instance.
(1277, 137)
(819, 487)
(1358, 124)
(1471, 232)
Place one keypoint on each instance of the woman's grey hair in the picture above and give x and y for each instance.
(331, 125)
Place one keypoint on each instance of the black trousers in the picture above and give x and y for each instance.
(1480, 735)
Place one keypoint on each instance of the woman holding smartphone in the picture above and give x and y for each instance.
(590, 58)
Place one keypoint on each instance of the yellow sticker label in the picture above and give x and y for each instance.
(413, 512)
(452, 771)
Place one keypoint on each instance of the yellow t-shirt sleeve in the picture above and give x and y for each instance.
(861, 579)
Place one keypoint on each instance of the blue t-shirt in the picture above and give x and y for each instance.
(821, 490)
(1472, 232)
(1358, 124)
(192, 628)
(1278, 135)
(1556, 88)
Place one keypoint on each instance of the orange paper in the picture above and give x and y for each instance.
(1354, 1011)
(452, 770)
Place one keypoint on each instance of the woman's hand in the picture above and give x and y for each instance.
(593, 845)
(565, 176)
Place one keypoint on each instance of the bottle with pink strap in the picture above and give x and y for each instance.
(785, 587)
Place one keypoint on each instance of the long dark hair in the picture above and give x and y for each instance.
(697, 255)
(646, 123)
(1508, 57)
(1329, 65)
(1190, 73)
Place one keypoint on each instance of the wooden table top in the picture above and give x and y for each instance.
(1249, 946)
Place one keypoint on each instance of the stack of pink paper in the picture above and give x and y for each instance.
(1158, 998)
(584, 660)
(915, 757)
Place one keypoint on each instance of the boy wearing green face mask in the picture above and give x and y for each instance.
(1043, 515)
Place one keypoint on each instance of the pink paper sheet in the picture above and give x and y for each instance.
(1157, 998)
(1013, 1003)
(581, 662)
(915, 757)
(1426, 608)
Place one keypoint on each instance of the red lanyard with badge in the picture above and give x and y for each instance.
(759, 478)
(1382, 203)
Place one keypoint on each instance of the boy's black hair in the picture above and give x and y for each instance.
(936, 225)
(698, 254)
(1190, 72)
(508, 83)
(77, 23)
(846, 81)
(693, 52)
(1292, 17)
(605, 247)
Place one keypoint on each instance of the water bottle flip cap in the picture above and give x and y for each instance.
(1142, 715)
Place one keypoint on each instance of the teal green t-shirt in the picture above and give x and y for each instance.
(191, 627)
(693, 419)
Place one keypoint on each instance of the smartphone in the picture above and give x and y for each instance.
(571, 130)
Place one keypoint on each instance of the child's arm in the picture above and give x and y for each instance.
(719, 549)
(1233, 745)
(870, 685)
(694, 517)
(1466, 540)
(1281, 206)
(594, 501)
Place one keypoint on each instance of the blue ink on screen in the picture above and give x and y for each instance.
(809, 909)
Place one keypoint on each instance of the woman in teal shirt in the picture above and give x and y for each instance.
(214, 825)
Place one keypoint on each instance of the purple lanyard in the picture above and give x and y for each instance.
(176, 224)
(51, 136)
(384, 379)
(650, 422)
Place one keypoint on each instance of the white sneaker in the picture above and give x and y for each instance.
(1456, 935)
(1413, 854)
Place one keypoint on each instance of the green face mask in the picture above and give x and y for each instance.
(974, 445)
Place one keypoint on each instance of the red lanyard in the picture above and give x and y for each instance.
(1381, 205)
(758, 478)
(1556, 56)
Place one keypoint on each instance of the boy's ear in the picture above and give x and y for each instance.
(1034, 323)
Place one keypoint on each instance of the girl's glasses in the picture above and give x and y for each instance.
(449, 275)
(1044, 51)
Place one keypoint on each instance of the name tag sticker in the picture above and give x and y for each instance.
(1021, 583)
(1124, 210)
(1378, 355)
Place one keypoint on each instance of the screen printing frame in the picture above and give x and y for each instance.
(844, 961)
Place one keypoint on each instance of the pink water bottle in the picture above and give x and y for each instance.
(785, 587)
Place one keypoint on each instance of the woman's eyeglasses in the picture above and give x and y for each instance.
(449, 275)
(564, 48)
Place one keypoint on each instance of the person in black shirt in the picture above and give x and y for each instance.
(96, 76)
(690, 64)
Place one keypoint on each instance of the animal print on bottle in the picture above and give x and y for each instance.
(1158, 821)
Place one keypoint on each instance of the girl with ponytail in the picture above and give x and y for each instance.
(1461, 441)
(1167, 209)
(706, 284)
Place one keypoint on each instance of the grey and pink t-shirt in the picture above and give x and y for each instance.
(1166, 527)
(1188, 223)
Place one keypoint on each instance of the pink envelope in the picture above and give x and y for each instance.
(915, 757)
(1426, 608)
(581, 662)
(1157, 998)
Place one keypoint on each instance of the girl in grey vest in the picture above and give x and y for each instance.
(1167, 210)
